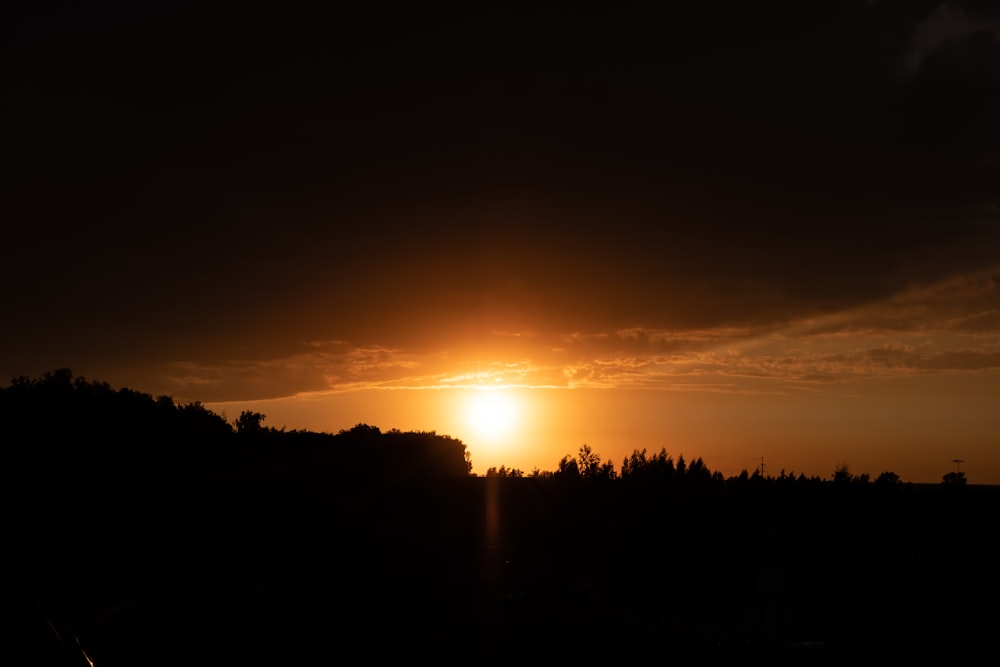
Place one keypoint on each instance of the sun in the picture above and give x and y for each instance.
(491, 414)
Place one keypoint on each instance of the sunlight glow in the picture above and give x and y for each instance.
(491, 415)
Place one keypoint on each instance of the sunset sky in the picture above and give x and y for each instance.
(731, 230)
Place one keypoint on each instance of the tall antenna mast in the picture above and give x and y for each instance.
(762, 467)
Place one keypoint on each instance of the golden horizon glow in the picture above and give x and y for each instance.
(897, 425)
(906, 384)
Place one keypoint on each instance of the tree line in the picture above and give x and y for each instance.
(642, 467)
(69, 437)
(66, 434)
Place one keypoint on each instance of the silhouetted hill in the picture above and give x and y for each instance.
(69, 438)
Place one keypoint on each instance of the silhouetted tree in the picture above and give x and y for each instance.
(399, 454)
(698, 471)
(632, 465)
(366, 432)
(568, 468)
(588, 461)
(887, 478)
(590, 466)
(74, 434)
(639, 466)
(954, 479)
(250, 422)
(842, 474)
(503, 472)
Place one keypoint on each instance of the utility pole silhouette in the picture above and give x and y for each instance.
(958, 463)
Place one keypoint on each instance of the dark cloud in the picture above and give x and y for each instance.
(194, 184)
(949, 26)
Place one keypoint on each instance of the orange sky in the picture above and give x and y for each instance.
(906, 384)
(732, 233)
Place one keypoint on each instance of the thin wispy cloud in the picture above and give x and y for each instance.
(949, 327)
(946, 25)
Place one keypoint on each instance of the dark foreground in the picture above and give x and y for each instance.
(299, 571)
